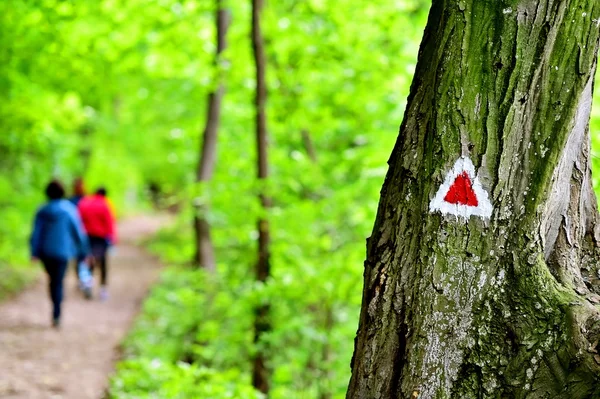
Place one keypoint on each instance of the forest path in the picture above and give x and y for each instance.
(74, 362)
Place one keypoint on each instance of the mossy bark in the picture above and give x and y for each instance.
(505, 307)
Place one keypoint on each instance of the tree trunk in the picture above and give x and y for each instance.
(505, 305)
(85, 150)
(205, 253)
(327, 355)
(260, 370)
(308, 145)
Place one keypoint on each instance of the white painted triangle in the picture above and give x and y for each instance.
(439, 203)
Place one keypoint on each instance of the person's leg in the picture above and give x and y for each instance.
(61, 270)
(99, 247)
(51, 272)
(77, 271)
(56, 269)
(103, 271)
(85, 279)
(103, 278)
(96, 247)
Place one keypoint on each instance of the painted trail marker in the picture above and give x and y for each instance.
(461, 194)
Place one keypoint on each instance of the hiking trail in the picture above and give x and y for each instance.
(76, 361)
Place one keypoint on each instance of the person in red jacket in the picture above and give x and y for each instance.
(99, 222)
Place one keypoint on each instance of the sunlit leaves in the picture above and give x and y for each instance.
(126, 82)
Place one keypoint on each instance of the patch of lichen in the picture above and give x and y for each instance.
(590, 267)
(523, 341)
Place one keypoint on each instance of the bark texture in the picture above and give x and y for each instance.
(262, 325)
(505, 307)
(308, 145)
(205, 253)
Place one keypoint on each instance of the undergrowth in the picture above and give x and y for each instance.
(194, 336)
(15, 278)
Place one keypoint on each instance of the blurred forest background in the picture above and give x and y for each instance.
(116, 91)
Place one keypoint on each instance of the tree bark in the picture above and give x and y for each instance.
(327, 354)
(260, 369)
(505, 307)
(308, 145)
(85, 151)
(205, 253)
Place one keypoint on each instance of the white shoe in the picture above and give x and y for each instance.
(103, 294)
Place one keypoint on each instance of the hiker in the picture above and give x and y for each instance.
(78, 191)
(81, 268)
(99, 222)
(57, 237)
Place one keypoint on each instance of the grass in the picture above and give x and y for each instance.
(15, 279)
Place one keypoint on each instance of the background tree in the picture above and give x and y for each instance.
(262, 324)
(458, 307)
(205, 253)
(340, 71)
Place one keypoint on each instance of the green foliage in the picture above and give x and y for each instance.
(174, 319)
(207, 320)
(116, 91)
(14, 279)
(595, 134)
(323, 208)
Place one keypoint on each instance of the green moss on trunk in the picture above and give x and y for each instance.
(497, 308)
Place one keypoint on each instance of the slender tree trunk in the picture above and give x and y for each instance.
(327, 355)
(503, 306)
(205, 253)
(85, 151)
(308, 145)
(261, 373)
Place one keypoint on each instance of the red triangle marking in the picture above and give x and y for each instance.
(461, 192)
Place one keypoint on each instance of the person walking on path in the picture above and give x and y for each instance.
(81, 268)
(99, 222)
(58, 236)
(78, 191)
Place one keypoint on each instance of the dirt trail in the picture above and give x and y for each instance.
(38, 362)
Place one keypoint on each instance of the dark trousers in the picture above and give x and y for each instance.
(56, 269)
(99, 247)
(76, 268)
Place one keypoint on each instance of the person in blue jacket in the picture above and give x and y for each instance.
(58, 236)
